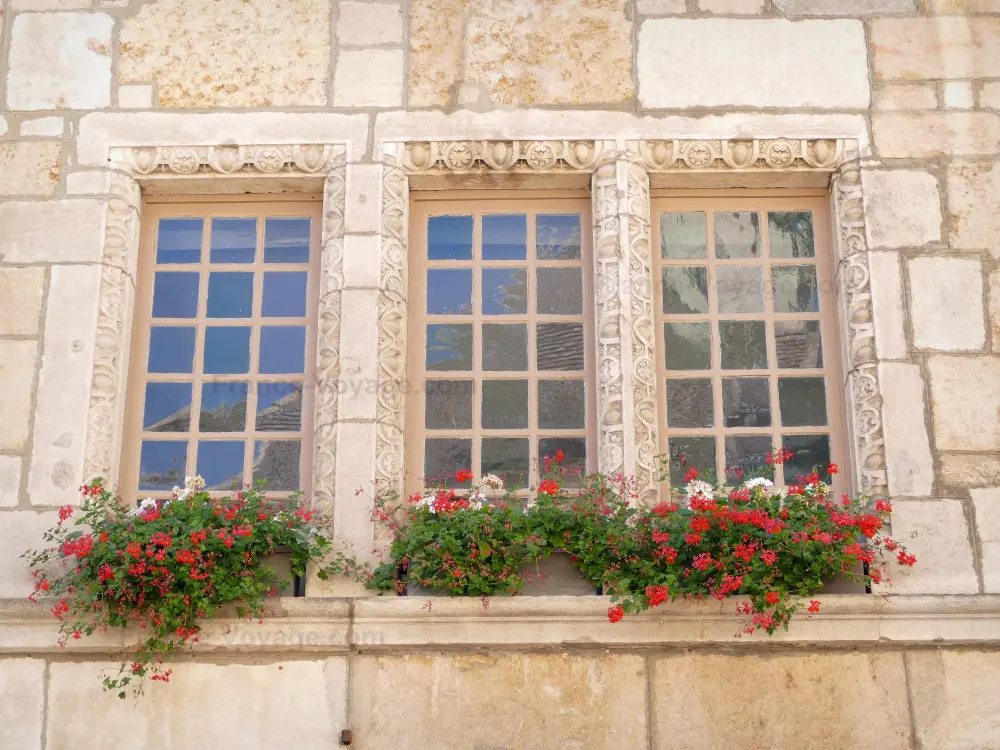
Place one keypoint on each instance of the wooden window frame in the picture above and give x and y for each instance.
(261, 208)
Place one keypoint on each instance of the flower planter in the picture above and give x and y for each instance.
(281, 563)
(555, 575)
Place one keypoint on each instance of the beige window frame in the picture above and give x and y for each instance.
(425, 204)
(297, 206)
(761, 201)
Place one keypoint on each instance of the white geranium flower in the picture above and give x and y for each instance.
(758, 482)
(142, 507)
(491, 481)
(194, 483)
(697, 487)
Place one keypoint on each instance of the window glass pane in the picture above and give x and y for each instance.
(683, 235)
(282, 349)
(685, 290)
(449, 291)
(574, 461)
(227, 350)
(690, 452)
(175, 294)
(560, 346)
(745, 455)
(795, 289)
(737, 235)
(505, 347)
(284, 294)
(798, 343)
(687, 346)
(557, 236)
(443, 457)
(220, 463)
(277, 463)
(223, 407)
(803, 401)
(449, 238)
(505, 404)
(505, 291)
(505, 237)
(179, 241)
(230, 295)
(279, 407)
(559, 291)
(233, 240)
(286, 240)
(449, 346)
(167, 407)
(743, 343)
(507, 458)
(561, 404)
(162, 464)
(171, 349)
(740, 289)
(746, 402)
(790, 234)
(448, 405)
(690, 403)
(808, 452)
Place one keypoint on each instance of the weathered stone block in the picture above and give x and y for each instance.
(705, 700)
(50, 231)
(359, 354)
(965, 402)
(989, 95)
(732, 7)
(43, 126)
(364, 195)
(957, 95)
(361, 23)
(362, 260)
(937, 533)
(972, 199)
(902, 207)
(369, 78)
(200, 64)
(29, 167)
(17, 5)
(524, 52)
(298, 704)
(660, 7)
(954, 696)
(946, 303)
(22, 703)
(921, 135)
(967, 470)
(60, 61)
(574, 701)
(10, 480)
(993, 307)
(89, 182)
(987, 505)
(21, 291)
(888, 314)
(896, 96)
(355, 469)
(935, 48)
(64, 382)
(19, 530)
(907, 445)
(964, 6)
(800, 54)
(136, 96)
(795, 8)
(17, 376)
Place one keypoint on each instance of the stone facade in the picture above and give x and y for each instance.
(893, 106)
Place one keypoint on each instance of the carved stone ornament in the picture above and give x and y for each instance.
(226, 160)
(503, 156)
(709, 155)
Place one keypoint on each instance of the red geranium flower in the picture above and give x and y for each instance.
(615, 613)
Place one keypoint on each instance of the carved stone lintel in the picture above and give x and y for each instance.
(743, 154)
(119, 259)
(164, 161)
(328, 339)
(501, 156)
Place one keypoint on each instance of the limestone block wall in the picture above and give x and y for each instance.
(915, 82)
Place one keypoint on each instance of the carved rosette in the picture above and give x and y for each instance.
(391, 372)
(507, 156)
(822, 154)
(855, 289)
(328, 339)
(119, 258)
(314, 159)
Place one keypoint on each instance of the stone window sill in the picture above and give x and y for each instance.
(407, 623)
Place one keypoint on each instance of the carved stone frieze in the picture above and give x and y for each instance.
(328, 339)
(499, 155)
(119, 258)
(314, 159)
(770, 154)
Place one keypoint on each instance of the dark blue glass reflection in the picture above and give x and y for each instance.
(175, 294)
(282, 349)
(167, 407)
(230, 295)
(449, 238)
(284, 294)
(179, 241)
(227, 350)
(557, 236)
(449, 291)
(505, 237)
(286, 241)
(233, 240)
(171, 349)
(162, 464)
(220, 463)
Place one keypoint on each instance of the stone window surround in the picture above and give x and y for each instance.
(620, 174)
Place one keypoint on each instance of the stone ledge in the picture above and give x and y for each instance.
(397, 623)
